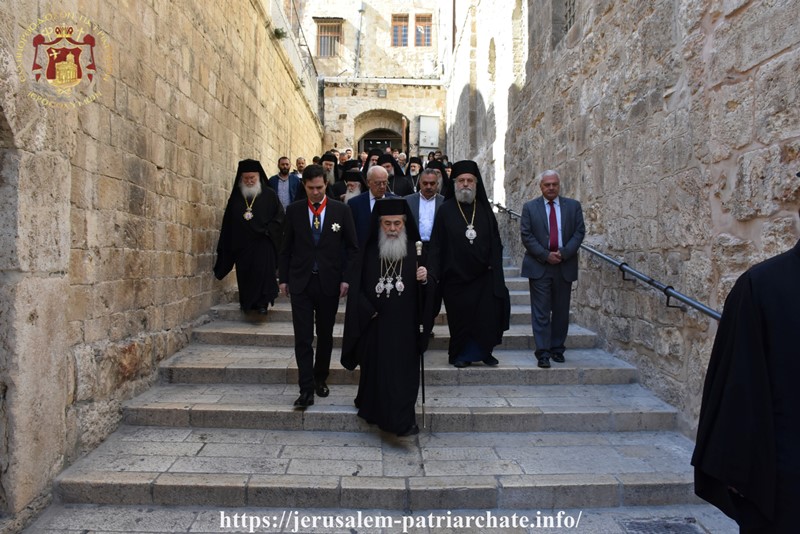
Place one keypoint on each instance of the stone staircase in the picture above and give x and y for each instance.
(219, 430)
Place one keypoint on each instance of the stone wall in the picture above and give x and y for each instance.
(486, 68)
(677, 125)
(111, 199)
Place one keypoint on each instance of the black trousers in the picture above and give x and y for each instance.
(310, 307)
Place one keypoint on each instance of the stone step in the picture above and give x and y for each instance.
(374, 470)
(465, 408)
(282, 312)
(281, 334)
(686, 518)
(209, 364)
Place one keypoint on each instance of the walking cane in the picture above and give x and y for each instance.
(418, 244)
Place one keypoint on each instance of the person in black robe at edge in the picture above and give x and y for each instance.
(747, 456)
(466, 260)
(388, 320)
(398, 183)
(250, 237)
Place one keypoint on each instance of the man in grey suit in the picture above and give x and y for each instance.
(552, 230)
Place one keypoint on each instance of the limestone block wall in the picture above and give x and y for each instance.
(677, 125)
(485, 69)
(110, 206)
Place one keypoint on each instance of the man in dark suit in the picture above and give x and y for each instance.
(284, 183)
(319, 247)
(424, 206)
(552, 230)
(361, 206)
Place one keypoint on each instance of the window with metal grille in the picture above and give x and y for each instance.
(399, 30)
(423, 23)
(569, 15)
(329, 36)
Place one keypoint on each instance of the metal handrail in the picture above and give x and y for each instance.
(669, 291)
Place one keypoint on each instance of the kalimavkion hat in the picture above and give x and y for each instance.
(391, 206)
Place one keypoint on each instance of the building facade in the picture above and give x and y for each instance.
(380, 72)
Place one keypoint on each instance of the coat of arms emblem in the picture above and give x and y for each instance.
(63, 59)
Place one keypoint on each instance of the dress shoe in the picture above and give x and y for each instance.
(322, 390)
(263, 310)
(305, 399)
(557, 357)
(544, 362)
(461, 365)
(491, 361)
(412, 430)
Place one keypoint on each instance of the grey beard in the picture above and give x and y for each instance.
(392, 249)
(250, 192)
(349, 195)
(330, 177)
(465, 196)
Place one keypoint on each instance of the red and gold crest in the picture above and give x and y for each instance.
(65, 60)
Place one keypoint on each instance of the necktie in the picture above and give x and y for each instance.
(553, 228)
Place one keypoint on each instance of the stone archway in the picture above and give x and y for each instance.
(379, 125)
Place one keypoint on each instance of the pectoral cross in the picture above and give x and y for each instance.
(316, 223)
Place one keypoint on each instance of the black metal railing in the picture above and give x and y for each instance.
(669, 291)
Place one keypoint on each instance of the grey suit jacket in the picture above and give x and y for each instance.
(413, 202)
(536, 237)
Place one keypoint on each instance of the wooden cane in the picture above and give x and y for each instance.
(418, 245)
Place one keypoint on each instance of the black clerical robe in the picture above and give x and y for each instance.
(382, 335)
(748, 436)
(251, 245)
(470, 277)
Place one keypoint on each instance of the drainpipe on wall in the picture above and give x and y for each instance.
(358, 38)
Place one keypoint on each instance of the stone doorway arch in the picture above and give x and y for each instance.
(381, 127)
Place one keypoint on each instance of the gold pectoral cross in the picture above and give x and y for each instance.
(316, 223)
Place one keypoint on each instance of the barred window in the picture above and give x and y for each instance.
(424, 23)
(569, 15)
(329, 36)
(399, 30)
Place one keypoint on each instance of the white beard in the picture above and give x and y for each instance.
(250, 192)
(465, 196)
(349, 195)
(330, 177)
(393, 249)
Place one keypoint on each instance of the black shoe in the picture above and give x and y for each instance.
(544, 362)
(412, 430)
(263, 310)
(491, 361)
(322, 389)
(557, 357)
(305, 399)
(461, 365)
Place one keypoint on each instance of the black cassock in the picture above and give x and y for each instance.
(470, 276)
(387, 346)
(748, 436)
(251, 245)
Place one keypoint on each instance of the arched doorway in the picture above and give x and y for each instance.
(380, 139)
(379, 128)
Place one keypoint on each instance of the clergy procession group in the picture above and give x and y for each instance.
(397, 242)
(396, 239)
